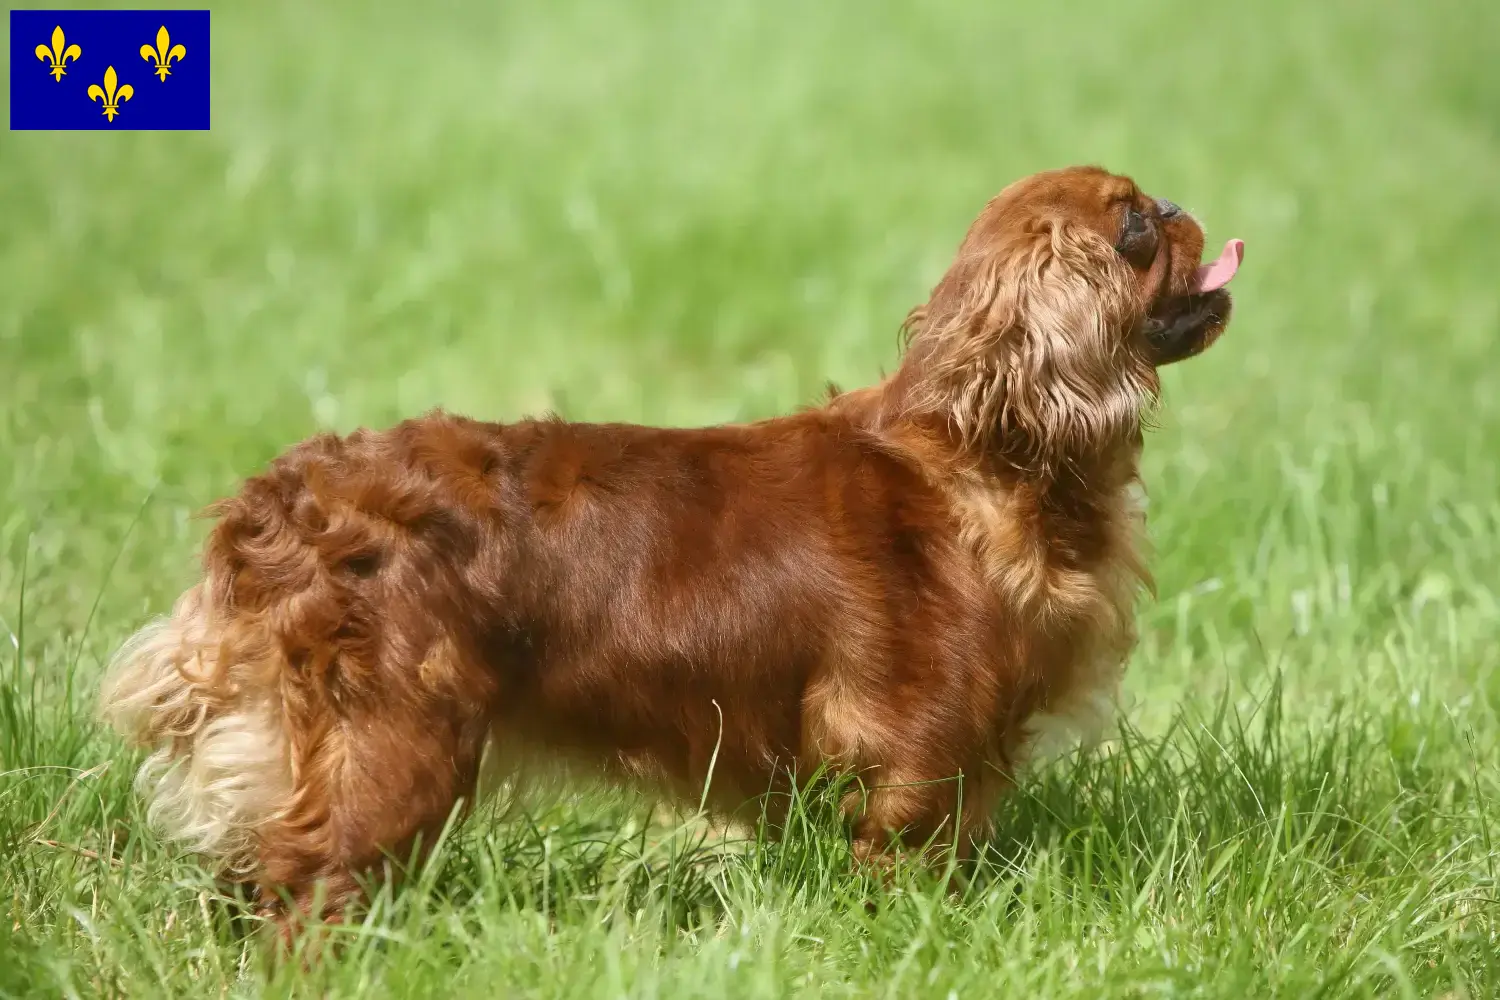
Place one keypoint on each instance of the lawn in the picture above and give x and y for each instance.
(683, 213)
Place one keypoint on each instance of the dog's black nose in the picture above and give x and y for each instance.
(1167, 208)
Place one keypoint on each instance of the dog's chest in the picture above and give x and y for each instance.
(1063, 578)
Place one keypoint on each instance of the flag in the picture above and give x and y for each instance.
(109, 69)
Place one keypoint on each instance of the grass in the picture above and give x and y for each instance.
(683, 213)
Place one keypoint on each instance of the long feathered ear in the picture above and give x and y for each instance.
(1025, 347)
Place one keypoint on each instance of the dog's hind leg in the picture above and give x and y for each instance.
(373, 788)
(279, 774)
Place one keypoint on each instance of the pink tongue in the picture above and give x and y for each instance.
(1217, 274)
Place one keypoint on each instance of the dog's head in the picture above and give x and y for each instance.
(1043, 339)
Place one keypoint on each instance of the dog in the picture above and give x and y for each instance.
(908, 583)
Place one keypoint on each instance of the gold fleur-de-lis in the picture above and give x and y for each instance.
(163, 53)
(109, 95)
(59, 54)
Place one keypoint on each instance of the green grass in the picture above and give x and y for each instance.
(684, 213)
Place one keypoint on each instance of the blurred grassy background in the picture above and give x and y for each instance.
(683, 213)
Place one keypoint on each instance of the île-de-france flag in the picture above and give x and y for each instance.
(109, 69)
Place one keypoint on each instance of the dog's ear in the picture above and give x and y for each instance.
(1025, 346)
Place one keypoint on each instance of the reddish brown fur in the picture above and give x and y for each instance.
(897, 583)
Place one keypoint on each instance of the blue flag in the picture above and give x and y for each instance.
(109, 69)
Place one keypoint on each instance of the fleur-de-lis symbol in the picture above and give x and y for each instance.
(59, 54)
(163, 53)
(109, 95)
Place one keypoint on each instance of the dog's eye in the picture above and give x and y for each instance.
(1137, 242)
